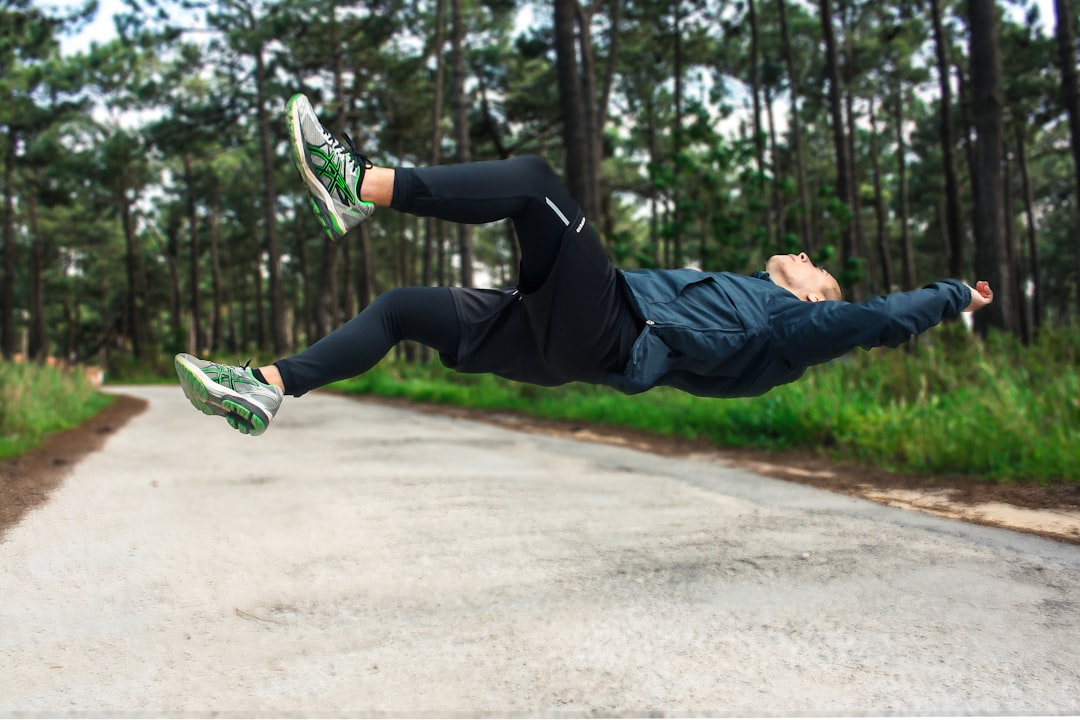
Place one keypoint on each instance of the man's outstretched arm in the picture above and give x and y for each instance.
(816, 332)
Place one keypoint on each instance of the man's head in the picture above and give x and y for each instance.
(807, 281)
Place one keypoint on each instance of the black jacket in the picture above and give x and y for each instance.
(728, 335)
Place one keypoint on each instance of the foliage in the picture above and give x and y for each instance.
(993, 409)
(37, 400)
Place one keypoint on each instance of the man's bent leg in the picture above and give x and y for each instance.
(581, 321)
(424, 314)
(344, 188)
(523, 189)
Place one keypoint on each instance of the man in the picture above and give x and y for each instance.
(572, 316)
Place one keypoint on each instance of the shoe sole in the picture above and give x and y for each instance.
(213, 398)
(318, 196)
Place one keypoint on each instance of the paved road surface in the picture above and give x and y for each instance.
(364, 559)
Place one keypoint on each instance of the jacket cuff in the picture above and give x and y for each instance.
(958, 296)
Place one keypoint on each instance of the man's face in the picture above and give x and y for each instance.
(802, 277)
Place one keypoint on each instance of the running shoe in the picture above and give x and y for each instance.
(230, 391)
(331, 171)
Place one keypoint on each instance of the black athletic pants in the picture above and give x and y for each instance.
(577, 326)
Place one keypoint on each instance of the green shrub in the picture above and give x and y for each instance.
(37, 400)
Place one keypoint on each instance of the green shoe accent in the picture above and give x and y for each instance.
(237, 408)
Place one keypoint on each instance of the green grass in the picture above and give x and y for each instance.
(36, 401)
(952, 405)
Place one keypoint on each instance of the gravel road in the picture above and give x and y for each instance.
(360, 559)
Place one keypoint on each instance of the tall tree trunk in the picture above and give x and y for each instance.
(432, 227)
(232, 337)
(176, 313)
(132, 253)
(273, 251)
(137, 326)
(326, 308)
(884, 249)
(858, 241)
(38, 345)
(1070, 95)
(440, 256)
(808, 240)
(215, 268)
(326, 293)
(71, 322)
(603, 196)
(570, 98)
(1011, 251)
(193, 224)
(342, 299)
(435, 157)
(1029, 216)
(346, 294)
(778, 207)
(759, 132)
(461, 131)
(954, 224)
(365, 289)
(991, 260)
(966, 122)
(109, 321)
(258, 303)
(676, 250)
(309, 307)
(402, 255)
(365, 280)
(906, 245)
(590, 115)
(7, 276)
(836, 113)
(653, 165)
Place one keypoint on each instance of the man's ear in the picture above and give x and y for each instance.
(814, 297)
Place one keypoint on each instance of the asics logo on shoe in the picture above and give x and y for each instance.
(330, 173)
(228, 377)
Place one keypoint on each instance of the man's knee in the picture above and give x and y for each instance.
(535, 168)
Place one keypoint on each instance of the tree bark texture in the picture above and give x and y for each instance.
(991, 259)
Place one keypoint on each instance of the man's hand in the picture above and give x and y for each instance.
(981, 296)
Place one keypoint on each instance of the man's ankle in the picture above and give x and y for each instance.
(269, 375)
(378, 186)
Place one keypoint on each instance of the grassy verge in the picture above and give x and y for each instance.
(36, 401)
(952, 405)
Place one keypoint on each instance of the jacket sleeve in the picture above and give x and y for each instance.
(816, 332)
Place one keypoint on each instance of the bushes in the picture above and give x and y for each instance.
(37, 400)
